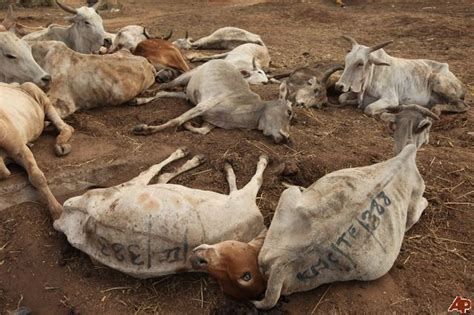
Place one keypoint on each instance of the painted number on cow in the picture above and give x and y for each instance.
(460, 305)
(368, 221)
(121, 252)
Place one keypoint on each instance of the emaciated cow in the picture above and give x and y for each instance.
(224, 99)
(128, 38)
(149, 230)
(307, 86)
(348, 225)
(250, 59)
(223, 38)
(377, 81)
(86, 34)
(83, 81)
(409, 124)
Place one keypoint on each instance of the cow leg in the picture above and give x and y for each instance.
(453, 107)
(230, 175)
(190, 164)
(274, 287)
(254, 184)
(146, 176)
(182, 80)
(62, 147)
(349, 98)
(4, 171)
(161, 94)
(196, 111)
(450, 90)
(380, 106)
(414, 215)
(203, 130)
(207, 58)
(26, 159)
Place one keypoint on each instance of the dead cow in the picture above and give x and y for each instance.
(307, 86)
(223, 38)
(250, 59)
(224, 99)
(409, 124)
(83, 81)
(149, 230)
(22, 112)
(348, 225)
(165, 57)
(86, 34)
(128, 38)
(376, 81)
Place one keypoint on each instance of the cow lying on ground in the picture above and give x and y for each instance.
(22, 112)
(250, 59)
(128, 38)
(223, 99)
(409, 124)
(307, 86)
(17, 63)
(149, 230)
(86, 34)
(223, 38)
(376, 81)
(348, 225)
(83, 81)
(164, 56)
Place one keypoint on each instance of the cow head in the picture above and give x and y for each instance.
(275, 120)
(17, 63)
(409, 124)
(358, 63)
(234, 265)
(184, 43)
(307, 92)
(87, 30)
(129, 37)
(256, 75)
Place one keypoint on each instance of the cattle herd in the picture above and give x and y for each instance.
(348, 225)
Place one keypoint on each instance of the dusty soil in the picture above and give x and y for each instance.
(436, 260)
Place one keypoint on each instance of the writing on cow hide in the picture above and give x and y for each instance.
(368, 221)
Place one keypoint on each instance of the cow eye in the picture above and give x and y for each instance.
(360, 64)
(309, 82)
(247, 276)
(87, 23)
(289, 112)
(10, 56)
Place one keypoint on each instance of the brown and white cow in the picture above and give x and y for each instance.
(83, 81)
(348, 225)
(148, 230)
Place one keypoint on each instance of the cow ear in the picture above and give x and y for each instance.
(257, 242)
(377, 61)
(390, 118)
(425, 124)
(245, 73)
(283, 90)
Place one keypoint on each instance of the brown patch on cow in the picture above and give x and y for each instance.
(160, 52)
(148, 202)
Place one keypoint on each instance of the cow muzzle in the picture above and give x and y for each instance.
(107, 42)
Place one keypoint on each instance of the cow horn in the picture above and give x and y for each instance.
(327, 74)
(98, 5)
(169, 35)
(186, 35)
(378, 46)
(423, 110)
(350, 40)
(65, 7)
(254, 64)
(145, 33)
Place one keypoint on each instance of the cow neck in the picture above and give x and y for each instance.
(367, 83)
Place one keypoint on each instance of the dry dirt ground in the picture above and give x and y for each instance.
(436, 260)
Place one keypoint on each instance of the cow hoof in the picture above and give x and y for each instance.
(264, 157)
(184, 150)
(62, 149)
(133, 102)
(141, 129)
(201, 158)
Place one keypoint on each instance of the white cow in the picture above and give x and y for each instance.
(377, 81)
(86, 34)
(149, 230)
(250, 59)
(129, 37)
(348, 225)
(224, 38)
(83, 81)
